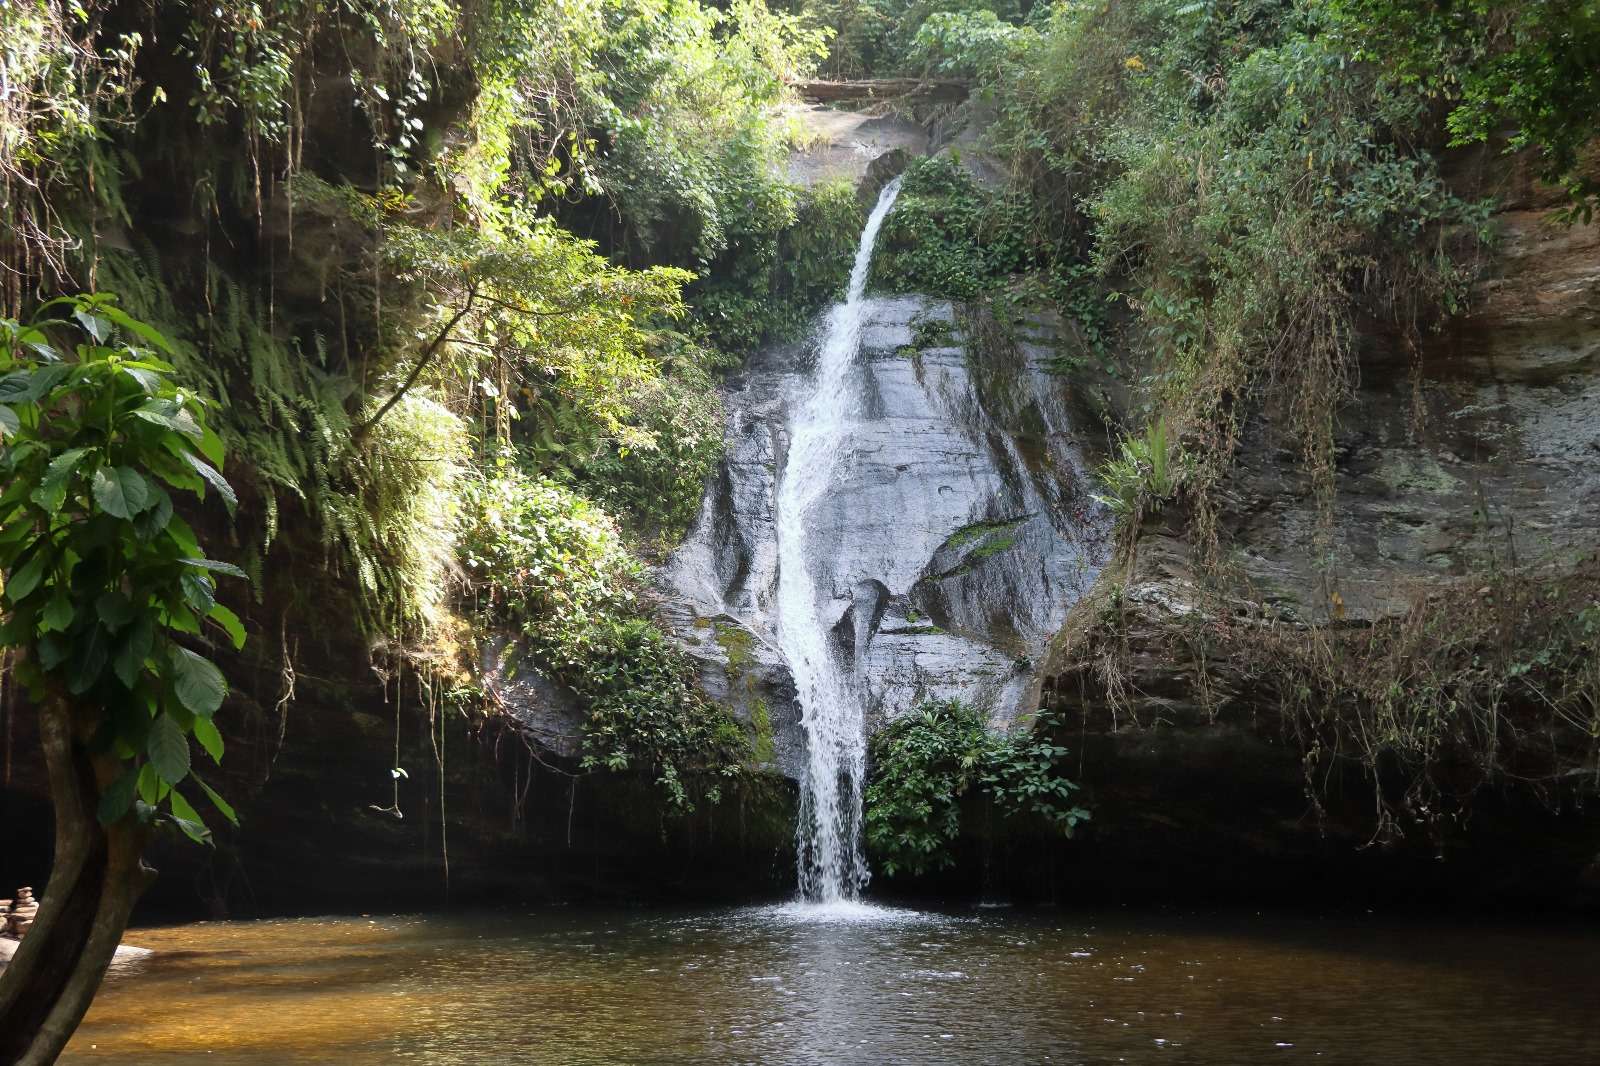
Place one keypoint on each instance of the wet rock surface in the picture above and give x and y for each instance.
(957, 532)
(842, 145)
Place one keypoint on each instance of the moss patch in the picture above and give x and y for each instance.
(978, 530)
(735, 643)
(763, 750)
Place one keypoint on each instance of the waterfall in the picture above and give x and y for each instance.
(828, 831)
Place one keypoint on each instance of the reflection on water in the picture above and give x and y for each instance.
(801, 985)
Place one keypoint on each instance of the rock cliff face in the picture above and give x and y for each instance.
(1481, 459)
(956, 535)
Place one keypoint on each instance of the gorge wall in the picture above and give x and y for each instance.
(968, 558)
(1478, 461)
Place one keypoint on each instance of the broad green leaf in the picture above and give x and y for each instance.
(171, 415)
(179, 617)
(183, 537)
(97, 327)
(89, 660)
(178, 475)
(128, 663)
(217, 481)
(211, 446)
(210, 738)
(147, 362)
(27, 386)
(199, 592)
(216, 566)
(118, 796)
(230, 624)
(52, 490)
(25, 580)
(9, 423)
(148, 380)
(144, 332)
(199, 683)
(57, 614)
(44, 351)
(217, 801)
(114, 610)
(168, 749)
(188, 819)
(121, 491)
(149, 785)
(156, 516)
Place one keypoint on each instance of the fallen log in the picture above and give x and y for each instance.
(829, 92)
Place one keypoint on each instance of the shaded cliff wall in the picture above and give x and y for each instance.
(1468, 487)
(312, 782)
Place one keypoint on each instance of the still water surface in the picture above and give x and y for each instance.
(869, 986)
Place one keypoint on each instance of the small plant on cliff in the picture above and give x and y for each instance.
(925, 766)
(107, 594)
(1144, 474)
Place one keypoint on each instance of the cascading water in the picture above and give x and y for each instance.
(828, 833)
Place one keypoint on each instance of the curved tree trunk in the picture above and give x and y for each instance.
(95, 879)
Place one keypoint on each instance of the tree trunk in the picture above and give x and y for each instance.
(96, 877)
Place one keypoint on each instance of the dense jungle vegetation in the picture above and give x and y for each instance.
(452, 286)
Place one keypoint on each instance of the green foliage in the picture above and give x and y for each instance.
(555, 565)
(772, 283)
(1529, 66)
(245, 57)
(961, 43)
(105, 586)
(380, 507)
(399, 525)
(64, 87)
(925, 766)
(948, 237)
(534, 298)
(872, 38)
(1249, 186)
(657, 481)
(1257, 217)
(1144, 474)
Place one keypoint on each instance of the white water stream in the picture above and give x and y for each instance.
(828, 832)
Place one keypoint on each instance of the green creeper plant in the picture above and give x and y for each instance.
(926, 765)
(542, 558)
(107, 594)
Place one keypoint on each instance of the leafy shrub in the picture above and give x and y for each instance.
(926, 765)
(769, 287)
(873, 38)
(1252, 190)
(657, 481)
(1144, 475)
(961, 43)
(1254, 218)
(948, 237)
(1531, 66)
(106, 586)
(554, 564)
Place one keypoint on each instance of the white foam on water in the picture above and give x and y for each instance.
(843, 912)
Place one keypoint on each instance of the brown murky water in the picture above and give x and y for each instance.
(873, 986)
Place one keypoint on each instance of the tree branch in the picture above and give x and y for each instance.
(422, 362)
